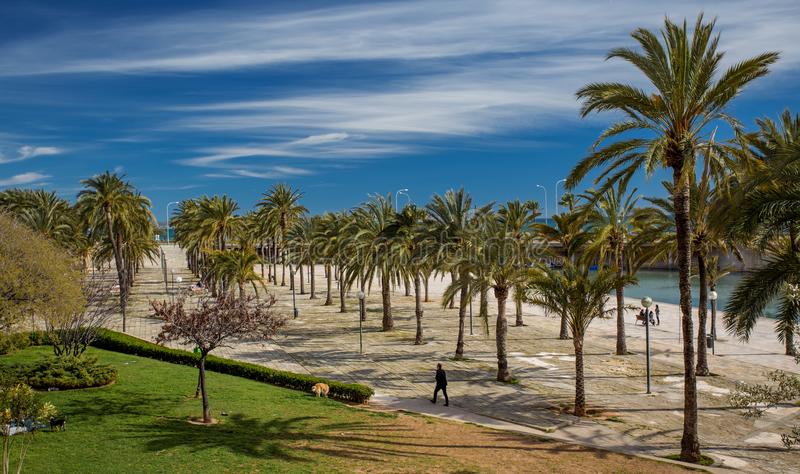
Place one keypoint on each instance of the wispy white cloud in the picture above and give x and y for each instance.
(23, 178)
(275, 172)
(219, 40)
(27, 152)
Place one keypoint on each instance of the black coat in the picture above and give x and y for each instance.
(441, 378)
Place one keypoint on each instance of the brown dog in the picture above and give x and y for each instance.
(320, 389)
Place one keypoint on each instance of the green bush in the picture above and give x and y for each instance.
(10, 342)
(66, 373)
(118, 342)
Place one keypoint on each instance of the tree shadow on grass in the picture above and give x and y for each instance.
(294, 439)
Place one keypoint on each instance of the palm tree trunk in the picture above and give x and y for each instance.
(312, 282)
(702, 355)
(386, 300)
(622, 347)
(122, 277)
(580, 394)
(283, 265)
(452, 280)
(462, 314)
(262, 256)
(241, 290)
(329, 281)
(302, 284)
(418, 307)
(483, 306)
(690, 443)
(501, 332)
(342, 303)
(427, 278)
(564, 332)
(518, 306)
(408, 287)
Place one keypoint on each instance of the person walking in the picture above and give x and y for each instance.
(658, 316)
(441, 384)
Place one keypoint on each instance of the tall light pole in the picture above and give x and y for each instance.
(361, 297)
(556, 193)
(713, 297)
(397, 194)
(545, 201)
(647, 302)
(169, 204)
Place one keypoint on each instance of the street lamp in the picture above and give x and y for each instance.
(294, 300)
(397, 194)
(361, 296)
(713, 297)
(169, 204)
(556, 193)
(545, 201)
(647, 302)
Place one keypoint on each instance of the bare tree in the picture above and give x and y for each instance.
(70, 334)
(212, 323)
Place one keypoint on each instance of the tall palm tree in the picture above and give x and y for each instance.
(768, 216)
(519, 218)
(304, 242)
(413, 245)
(564, 240)
(580, 298)
(102, 204)
(450, 223)
(686, 96)
(610, 223)
(281, 204)
(377, 250)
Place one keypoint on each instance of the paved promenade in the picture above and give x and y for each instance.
(324, 342)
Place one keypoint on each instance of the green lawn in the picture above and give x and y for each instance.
(140, 424)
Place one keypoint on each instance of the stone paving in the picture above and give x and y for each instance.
(324, 342)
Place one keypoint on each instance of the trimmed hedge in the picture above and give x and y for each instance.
(118, 342)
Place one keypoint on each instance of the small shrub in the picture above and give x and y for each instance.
(10, 342)
(67, 373)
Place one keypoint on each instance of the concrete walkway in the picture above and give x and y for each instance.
(324, 342)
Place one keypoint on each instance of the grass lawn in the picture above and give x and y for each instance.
(140, 424)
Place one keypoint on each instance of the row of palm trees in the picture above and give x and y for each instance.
(110, 222)
(723, 195)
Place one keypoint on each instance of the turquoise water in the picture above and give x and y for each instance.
(662, 286)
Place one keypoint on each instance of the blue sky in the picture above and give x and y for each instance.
(191, 98)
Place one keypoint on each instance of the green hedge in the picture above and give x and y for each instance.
(118, 342)
(66, 373)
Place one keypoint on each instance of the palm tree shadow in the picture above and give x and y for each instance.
(294, 439)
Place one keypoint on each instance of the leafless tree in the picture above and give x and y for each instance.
(72, 333)
(212, 323)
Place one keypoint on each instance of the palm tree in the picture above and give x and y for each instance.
(413, 247)
(304, 241)
(769, 217)
(376, 252)
(104, 205)
(281, 205)
(236, 267)
(578, 297)
(519, 218)
(687, 96)
(450, 223)
(564, 240)
(610, 227)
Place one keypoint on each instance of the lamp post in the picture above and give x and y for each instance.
(647, 302)
(545, 201)
(361, 296)
(556, 193)
(713, 297)
(397, 194)
(169, 204)
(294, 300)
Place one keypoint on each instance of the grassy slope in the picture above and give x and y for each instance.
(139, 425)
